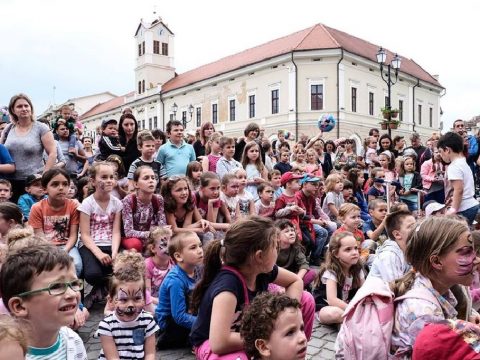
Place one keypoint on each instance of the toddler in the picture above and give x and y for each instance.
(35, 193)
(265, 206)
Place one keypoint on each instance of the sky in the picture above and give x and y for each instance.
(85, 47)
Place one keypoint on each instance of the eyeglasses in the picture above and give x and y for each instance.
(57, 288)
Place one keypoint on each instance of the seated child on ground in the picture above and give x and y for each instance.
(35, 193)
(374, 228)
(13, 340)
(265, 205)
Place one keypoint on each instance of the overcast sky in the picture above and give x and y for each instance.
(85, 47)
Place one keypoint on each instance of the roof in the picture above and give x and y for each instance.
(152, 24)
(107, 105)
(316, 37)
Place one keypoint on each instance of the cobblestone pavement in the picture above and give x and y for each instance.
(320, 345)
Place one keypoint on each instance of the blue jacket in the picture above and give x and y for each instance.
(25, 203)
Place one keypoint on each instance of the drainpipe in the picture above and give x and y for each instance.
(163, 111)
(338, 94)
(296, 99)
(413, 106)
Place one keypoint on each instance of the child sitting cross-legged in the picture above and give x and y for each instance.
(374, 228)
(265, 206)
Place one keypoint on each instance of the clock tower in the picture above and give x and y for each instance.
(154, 55)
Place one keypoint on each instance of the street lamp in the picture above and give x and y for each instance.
(395, 64)
(174, 109)
(190, 111)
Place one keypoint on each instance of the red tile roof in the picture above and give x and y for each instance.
(107, 105)
(316, 37)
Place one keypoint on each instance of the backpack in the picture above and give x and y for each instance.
(368, 321)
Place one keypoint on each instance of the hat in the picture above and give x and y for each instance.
(289, 176)
(191, 133)
(448, 339)
(433, 207)
(32, 178)
(309, 178)
(108, 121)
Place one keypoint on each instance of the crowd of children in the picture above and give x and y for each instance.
(235, 259)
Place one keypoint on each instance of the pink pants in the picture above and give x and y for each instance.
(204, 352)
(132, 243)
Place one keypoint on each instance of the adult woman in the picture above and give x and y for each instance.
(385, 143)
(398, 145)
(251, 133)
(347, 157)
(127, 131)
(329, 157)
(206, 130)
(26, 140)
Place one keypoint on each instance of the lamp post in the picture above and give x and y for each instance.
(395, 64)
(190, 111)
(174, 109)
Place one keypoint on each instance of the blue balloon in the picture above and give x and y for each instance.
(326, 122)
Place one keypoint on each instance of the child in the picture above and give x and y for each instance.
(13, 340)
(339, 278)
(300, 155)
(5, 190)
(387, 163)
(100, 230)
(253, 165)
(389, 263)
(83, 187)
(313, 166)
(141, 210)
(146, 145)
(129, 332)
(109, 143)
(194, 171)
(56, 217)
(411, 183)
(334, 198)
(121, 182)
(377, 190)
(283, 165)
(10, 217)
(38, 284)
(357, 179)
(347, 192)
(70, 122)
(275, 178)
(229, 195)
(374, 228)
(288, 206)
(236, 270)
(7, 165)
(158, 263)
(172, 312)
(245, 199)
(213, 149)
(265, 206)
(371, 150)
(280, 315)
(35, 193)
(227, 163)
(442, 254)
(291, 254)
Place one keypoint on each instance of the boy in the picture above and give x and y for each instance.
(389, 263)
(5, 190)
(172, 312)
(227, 163)
(348, 192)
(374, 228)
(35, 193)
(175, 154)
(265, 205)
(275, 178)
(159, 140)
(460, 177)
(38, 284)
(283, 165)
(69, 121)
(287, 205)
(280, 139)
(146, 145)
(109, 143)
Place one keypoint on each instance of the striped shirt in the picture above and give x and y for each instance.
(69, 346)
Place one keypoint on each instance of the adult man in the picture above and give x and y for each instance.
(471, 144)
(422, 156)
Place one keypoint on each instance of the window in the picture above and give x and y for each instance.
(139, 87)
(251, 106)
(199, 116)
(171, 116)
(370, 103)
(214, 113)
(400, 110)
(150, 124)
(139, 49)
(275, 101)
(156, 47)
(232, 109)
(354, 99)
(143, 47)
(419, 114)
(143, 124)
(165, 49)
(430, 116)
(155, 122)
(143, 86)
(316, 97)
(184, 117)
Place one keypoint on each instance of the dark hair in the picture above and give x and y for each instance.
(117, 159)
(206, 124)
(245, 160)
(251, 127)
(227, 178)
(263, 186)
(121, 133)
(394, 221)
(159, 134)
(206, 177)
(10, 211)
(13, 100)
(138, 171)
(50, 174)
(272, 173)
(81, 184)
(353, 176)
(225, 140)
(171, 124)
(258, 321)
(396, 139)
(242, 240)
(21, 267)
(384, 136)
(372, 130)
(329, 142)
(347, 184)
(452, 140)
(170, 204)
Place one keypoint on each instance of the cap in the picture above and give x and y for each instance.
(448, 339)
(309, 178)
(32, 178)
(433, 207)
(289, 176)
(108, 121)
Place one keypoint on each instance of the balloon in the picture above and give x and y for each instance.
(326, 122)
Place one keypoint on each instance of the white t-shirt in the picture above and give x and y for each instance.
(347, 286)
(459, 170)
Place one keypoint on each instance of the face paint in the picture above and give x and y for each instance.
(465, 259)
(163, 245)
(129, 305)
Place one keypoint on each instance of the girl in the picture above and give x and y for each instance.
(356, 178)
(209, 162)
(253, 165)
(334, 198)
(142, 210)
(129, 332)
(180, 210)
(387, 163)
(100, 229)
(236, 269)
(13, 339)
(83, 188)
(194, 171)
(158, 263)
(312, 166)
(300, 156)
(10, 217)
(121, 187)
(229, 195)
(339, 279)
(56, 217)
(432, 172)
(245, 199)
(370, 150)
(411, 183)
(377, 190)
(441, 251)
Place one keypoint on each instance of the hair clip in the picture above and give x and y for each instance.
(221, 242)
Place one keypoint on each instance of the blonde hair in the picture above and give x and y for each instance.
(177, 242)
(10, 330)
(19, 238)
(216, 136)
(155, 234)
(331, 181)
(347, 208)
(128, 266)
